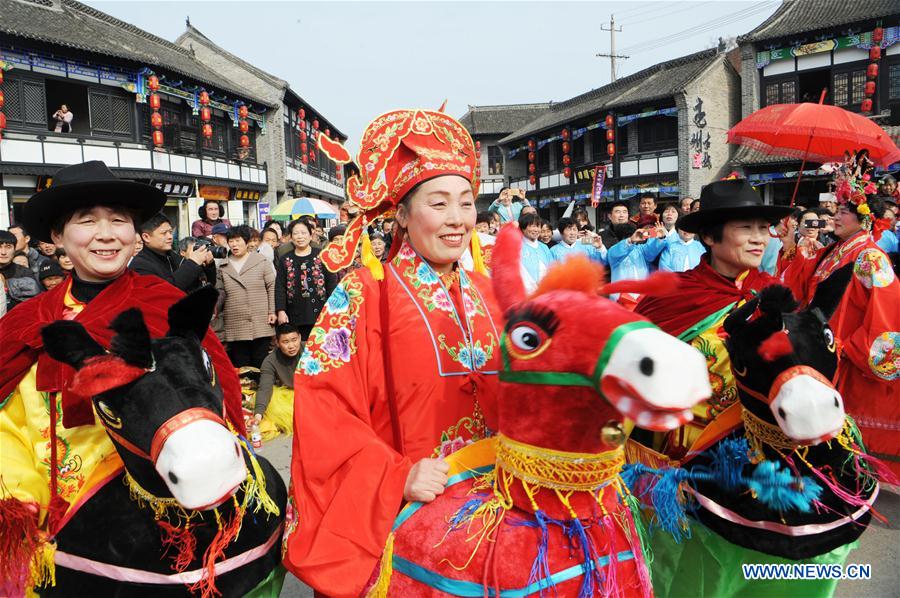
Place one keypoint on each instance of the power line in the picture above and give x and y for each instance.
(696, 29)
(638, 6)
(681, 8)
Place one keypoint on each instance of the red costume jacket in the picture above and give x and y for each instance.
(348, 474)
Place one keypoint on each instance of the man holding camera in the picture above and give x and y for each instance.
(158, 258)
(509, 205)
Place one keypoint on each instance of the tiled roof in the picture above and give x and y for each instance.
(800, 16)
(661, 80)
(75, 25)
(501, 120)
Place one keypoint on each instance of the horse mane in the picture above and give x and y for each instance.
(777, 299)
(577, 273)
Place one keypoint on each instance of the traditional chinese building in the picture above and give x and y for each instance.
(849, 50)
(143, 105)
(296, 167)
(660, 131)
(487, 125)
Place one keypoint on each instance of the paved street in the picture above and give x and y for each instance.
(880, 545)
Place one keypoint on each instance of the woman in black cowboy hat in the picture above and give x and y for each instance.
(92, 215)
(733, 224)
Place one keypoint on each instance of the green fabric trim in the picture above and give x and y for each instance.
(6, 400)
(270, 587)
(612, 343)
(691, 333)
(547, 378)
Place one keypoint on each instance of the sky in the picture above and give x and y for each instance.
(355, 60)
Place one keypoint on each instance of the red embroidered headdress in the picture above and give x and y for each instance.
(399, 150)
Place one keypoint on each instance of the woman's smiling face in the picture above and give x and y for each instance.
(99, 241)
(439, 217)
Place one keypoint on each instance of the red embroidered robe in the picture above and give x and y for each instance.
(347, 474)
(867, 323)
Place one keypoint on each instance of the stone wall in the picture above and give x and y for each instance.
(719, 89)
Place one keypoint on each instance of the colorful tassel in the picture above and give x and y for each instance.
(369, 260)
(385, 571)
(778, 489)
(592, 577)
(639, 541)
(182, 540)
(26, 557)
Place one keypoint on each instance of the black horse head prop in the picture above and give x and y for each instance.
(159, 400)
(784, 360)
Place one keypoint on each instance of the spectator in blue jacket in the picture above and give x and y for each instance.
(536, 256)
(682, 251)
(509, 204)
(576, 242)
(632, 257)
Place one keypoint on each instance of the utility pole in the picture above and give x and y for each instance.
(612, 47)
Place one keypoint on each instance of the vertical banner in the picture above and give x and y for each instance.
(263, 208)
(597, 186)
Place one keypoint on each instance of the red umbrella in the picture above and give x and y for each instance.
(815, 132)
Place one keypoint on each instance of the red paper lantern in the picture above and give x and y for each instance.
(245, 141)
(531, 144)
(316, 124)
(610, 121)
(203, 98)
(610, 135)
(875, 53)
(1, 76)
(207, 131)
(565, 134)
(2, 121)
(532, 168)
(872, 71)
(303, 147)
(567, 159)
(243, 127)
(866, 105)
(877, 35)
(478, 145)
(301, 114)
(531, 156)
(156, 120)
(611, 149)
(2, 99)
(567, 172)
(566, 147)
(205, 114)
(312, 155)
(533, 180)
(243, 112)
(327, 132)
(158, 138)
(302, 135)
(153, 82)
(870, 88)
(304, 159)
(155, 102)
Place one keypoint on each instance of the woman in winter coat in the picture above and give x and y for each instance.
(210, 215)
(303, 284)
(246, 286)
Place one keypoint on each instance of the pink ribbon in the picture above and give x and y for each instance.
(779, 528)
(129, 575)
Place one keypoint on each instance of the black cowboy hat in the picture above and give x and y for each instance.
(85, 185)
(732, 199)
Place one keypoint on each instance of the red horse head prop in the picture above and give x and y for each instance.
(578, 361)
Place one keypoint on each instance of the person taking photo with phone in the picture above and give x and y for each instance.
(509, 205)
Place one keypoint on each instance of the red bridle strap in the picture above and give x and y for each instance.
(177, 422)
(781, 379)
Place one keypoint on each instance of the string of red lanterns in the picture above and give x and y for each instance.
(566, 150)
(610, 135)
(156, 120)
(243, 126)
(301, 123)
(532, 159)
(872, 70)
(205, 115)
(478, 159)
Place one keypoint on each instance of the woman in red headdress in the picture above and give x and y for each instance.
(400, 368)
(866, 322)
